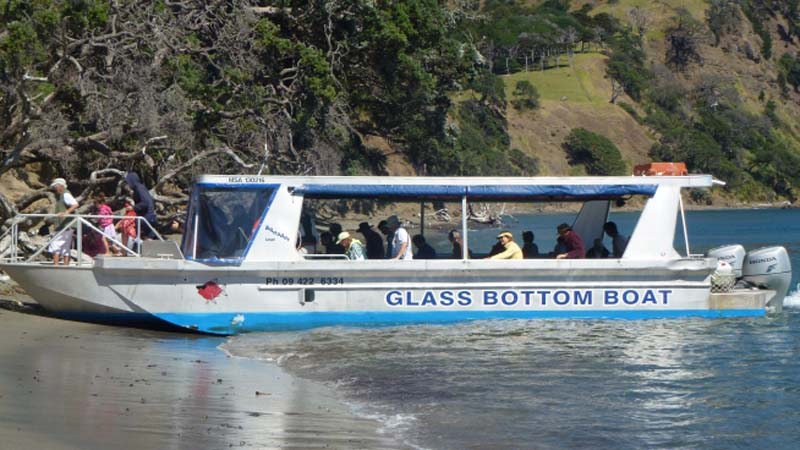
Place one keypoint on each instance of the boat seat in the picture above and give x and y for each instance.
(161, 249)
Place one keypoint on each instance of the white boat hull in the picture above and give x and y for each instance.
(305, 294)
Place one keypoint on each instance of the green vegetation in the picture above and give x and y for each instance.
(526, 96)
(595, 152)
(86, 85)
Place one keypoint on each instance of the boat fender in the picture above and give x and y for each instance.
(724, 278)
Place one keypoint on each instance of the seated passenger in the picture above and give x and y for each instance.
(353, 248)
(424, 250)
(511, 249)
(598, 250)
(308, 244)
(529, 249)
(573, 243)
(455, 239)
(619, 242)
(331, 248)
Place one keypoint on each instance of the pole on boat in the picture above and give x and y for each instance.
(464, 238)
(194, 237)
(79, 227)
(683, 222)
(422, 218)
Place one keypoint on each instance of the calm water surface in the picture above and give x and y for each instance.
(689, 383)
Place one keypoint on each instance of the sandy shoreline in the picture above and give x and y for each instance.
(70, 385)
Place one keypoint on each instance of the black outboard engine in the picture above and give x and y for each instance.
(731, 254)
(769, 268)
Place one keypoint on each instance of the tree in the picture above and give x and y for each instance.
(626, 66)
(723, 17)
(525, 95)
(598, 154)
(683, 40)
(641, 20)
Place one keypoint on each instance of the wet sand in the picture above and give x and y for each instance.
(70, 385)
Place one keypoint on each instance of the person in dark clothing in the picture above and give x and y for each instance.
(424, 250)
(373, 239)
(496, 249)
(618, 241)
(574, 243)
(559, 248)
(529, 249)
(598, 250)
(331, 248)
(143, 205)
(335, 229)
(384, 227)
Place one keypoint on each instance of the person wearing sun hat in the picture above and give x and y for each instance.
(61, 245)
(512, 250)
(353, 248)
(573, 242)
(401, 241)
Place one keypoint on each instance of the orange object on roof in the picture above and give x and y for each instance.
(661, 169)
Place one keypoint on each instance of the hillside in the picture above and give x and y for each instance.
(573, 97)
(551, 87)
(706, 82)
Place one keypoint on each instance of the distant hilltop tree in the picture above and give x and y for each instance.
(595, 152)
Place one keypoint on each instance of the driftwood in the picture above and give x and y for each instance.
(486, 215)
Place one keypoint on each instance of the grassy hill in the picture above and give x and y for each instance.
(571, 97)
(742, 69)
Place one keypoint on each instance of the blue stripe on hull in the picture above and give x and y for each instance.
(221, 323)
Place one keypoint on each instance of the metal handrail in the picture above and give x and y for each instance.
(78, 221)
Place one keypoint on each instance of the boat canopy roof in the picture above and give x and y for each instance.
(454, 188)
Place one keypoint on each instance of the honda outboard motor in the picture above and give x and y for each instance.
(769, 268)
(731, 254)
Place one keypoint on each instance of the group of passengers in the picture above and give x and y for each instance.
(569, 245)
(94, 243)
(399, 244)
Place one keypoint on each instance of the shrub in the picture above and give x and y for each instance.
(526, 96)
(598, 154)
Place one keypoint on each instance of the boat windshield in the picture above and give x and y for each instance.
(224, 219)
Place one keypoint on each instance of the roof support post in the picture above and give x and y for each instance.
(464, 237)
(683, 222)
(422, 218)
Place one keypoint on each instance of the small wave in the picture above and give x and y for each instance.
(397, 425)
(792, 299)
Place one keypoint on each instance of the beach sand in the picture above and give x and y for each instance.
(71, 385)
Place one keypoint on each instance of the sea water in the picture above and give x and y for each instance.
(677, 383)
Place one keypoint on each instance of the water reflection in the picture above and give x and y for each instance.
(93, 387)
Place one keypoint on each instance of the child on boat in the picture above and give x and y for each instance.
(127, 226)
(106, 223)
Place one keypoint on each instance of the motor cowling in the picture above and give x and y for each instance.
(769, 268)
(731, 254)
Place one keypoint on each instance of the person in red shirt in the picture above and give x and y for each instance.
(574, 243)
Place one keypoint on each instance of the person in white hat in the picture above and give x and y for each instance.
(512, 250)
(61, 245)
(353, 248)
(401, 241)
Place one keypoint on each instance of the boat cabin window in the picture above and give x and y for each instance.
(224, 220)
